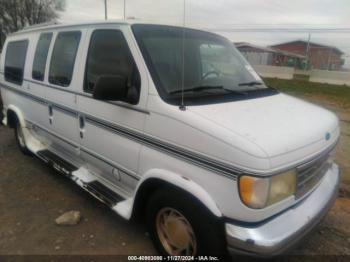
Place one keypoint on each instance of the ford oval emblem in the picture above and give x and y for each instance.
(328, 136)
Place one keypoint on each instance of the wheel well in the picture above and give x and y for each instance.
(150, 187)
(11, 118)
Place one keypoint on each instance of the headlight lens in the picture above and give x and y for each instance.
(260, 192)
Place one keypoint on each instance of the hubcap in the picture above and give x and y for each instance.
(20, 135)
(175, 233)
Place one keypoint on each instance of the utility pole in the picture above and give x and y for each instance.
(105, 9)
(329, 59)
(307, 53)
(124, 10)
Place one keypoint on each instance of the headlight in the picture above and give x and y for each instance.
(259, 192)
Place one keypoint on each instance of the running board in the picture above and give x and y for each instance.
(103, 193)
(82, 177)
(56, 162)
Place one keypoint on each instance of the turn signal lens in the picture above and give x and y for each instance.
(254, 191)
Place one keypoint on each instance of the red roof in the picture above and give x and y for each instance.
(311, 44)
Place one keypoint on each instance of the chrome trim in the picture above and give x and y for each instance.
(316, 158)
(65, 110)
(310, 174)
(281, 232)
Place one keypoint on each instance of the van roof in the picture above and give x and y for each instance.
(58, 25)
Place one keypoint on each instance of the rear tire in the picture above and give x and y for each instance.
(180, 225)
(20, 139)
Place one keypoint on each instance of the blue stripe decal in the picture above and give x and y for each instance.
(184, 154)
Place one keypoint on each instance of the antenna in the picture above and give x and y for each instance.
(182, 106)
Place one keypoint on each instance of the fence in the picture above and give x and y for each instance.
(330, 77)
(281, 72)
(317, 76)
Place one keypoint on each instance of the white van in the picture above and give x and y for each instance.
(172, 125)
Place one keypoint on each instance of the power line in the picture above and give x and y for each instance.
(285, 30)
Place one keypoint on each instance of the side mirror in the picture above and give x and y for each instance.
(111, 87)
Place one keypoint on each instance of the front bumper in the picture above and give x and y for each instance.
(281, 232)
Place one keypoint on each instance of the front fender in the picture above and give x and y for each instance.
(125, 208)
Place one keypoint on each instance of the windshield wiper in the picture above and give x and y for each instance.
(195, 89)
(203, 88)
(253, 83)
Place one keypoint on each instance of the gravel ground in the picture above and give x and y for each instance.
(32, 196)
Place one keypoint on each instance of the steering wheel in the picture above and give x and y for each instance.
(217, 74)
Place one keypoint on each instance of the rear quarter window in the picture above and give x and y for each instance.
(15, 58)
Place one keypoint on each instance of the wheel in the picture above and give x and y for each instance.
(179, 225)
(20, 138)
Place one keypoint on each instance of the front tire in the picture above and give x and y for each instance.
(180, 225)
(20, 139)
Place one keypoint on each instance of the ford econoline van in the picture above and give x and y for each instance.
(173, 126)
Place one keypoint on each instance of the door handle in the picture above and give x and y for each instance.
(81, 126)
(50, 114)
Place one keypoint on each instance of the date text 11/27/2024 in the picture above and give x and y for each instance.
(173, 258)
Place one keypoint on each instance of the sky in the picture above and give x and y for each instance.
(290, 20)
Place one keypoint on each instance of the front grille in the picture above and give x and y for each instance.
(310, 173)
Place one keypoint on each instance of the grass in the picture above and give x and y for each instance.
(333, 93)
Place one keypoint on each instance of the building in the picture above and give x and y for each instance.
(318, 56)
(258, 55)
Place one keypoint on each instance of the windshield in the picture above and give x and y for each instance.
(206, 66)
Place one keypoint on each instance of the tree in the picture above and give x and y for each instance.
(16, 14)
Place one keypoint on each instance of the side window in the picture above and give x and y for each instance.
(40, 56)
(109, 55)
(63, 58)
(15, 61)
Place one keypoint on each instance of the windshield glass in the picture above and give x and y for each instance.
(205, 65)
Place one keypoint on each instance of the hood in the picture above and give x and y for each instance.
(278, 124)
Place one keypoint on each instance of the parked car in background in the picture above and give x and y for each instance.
(172, 125)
